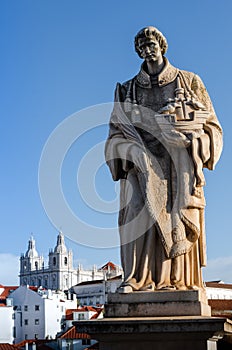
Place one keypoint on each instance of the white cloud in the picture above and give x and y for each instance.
(9, 269)
(219, 269)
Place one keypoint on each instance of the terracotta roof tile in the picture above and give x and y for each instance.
(71, 333)
(6, 346)
(7, 289)
(109, 265)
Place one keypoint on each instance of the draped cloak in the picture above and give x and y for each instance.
(161, 218)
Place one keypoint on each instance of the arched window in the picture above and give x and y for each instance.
(54, 261)
(66, 261)
(36, 265)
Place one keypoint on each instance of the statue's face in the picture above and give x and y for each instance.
(149, 49)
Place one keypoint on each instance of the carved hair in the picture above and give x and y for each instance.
(151, 33)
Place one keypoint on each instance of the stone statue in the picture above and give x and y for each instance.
(163, 132)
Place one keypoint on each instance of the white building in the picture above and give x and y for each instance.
(60, 273)
(218, 290)
(80, 314)
(7, 323)
(38, 315)
(96, 292)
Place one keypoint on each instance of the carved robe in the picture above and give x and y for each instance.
(161, 219)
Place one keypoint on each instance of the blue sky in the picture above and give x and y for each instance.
(59, 57)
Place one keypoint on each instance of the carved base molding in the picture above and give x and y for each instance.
(159, 333)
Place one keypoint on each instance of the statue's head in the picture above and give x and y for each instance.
(150, 34)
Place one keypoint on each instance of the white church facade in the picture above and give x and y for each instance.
(60, 273)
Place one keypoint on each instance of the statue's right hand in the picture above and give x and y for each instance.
(139, 158)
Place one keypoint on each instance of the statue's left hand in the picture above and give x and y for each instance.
(176, 139)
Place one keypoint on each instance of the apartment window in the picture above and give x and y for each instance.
(81, 317)
(26, 337)
(13, 316)
(36, 336)
(25, 307)
(36, 321)
(14, 332)
(26, 322)
(36, 307)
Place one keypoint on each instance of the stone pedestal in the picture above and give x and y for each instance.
(167, 320)
(165, 303)
(159, 333)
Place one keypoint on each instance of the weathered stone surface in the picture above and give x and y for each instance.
(154, 297)
(163, 132)
(160, 333)
(142, 304)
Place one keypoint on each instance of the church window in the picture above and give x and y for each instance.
(54, 261)
(36, 265)
(66, 261)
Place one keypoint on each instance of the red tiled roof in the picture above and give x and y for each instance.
(221, 307)
(86, 308)
(6, 346)
(7, 289)
(71, 333)
(109, 265)
(95, 316)
(221, 304)
(69, 312)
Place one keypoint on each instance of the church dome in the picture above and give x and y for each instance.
(31, 251)
(60, 245)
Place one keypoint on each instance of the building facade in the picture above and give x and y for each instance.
(60, 273)
(96, 292)
(39, 314)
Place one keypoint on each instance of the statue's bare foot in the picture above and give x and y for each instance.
(148, 288)
(181, 287)
(166, 288)
(125, 289)
(194, 287)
